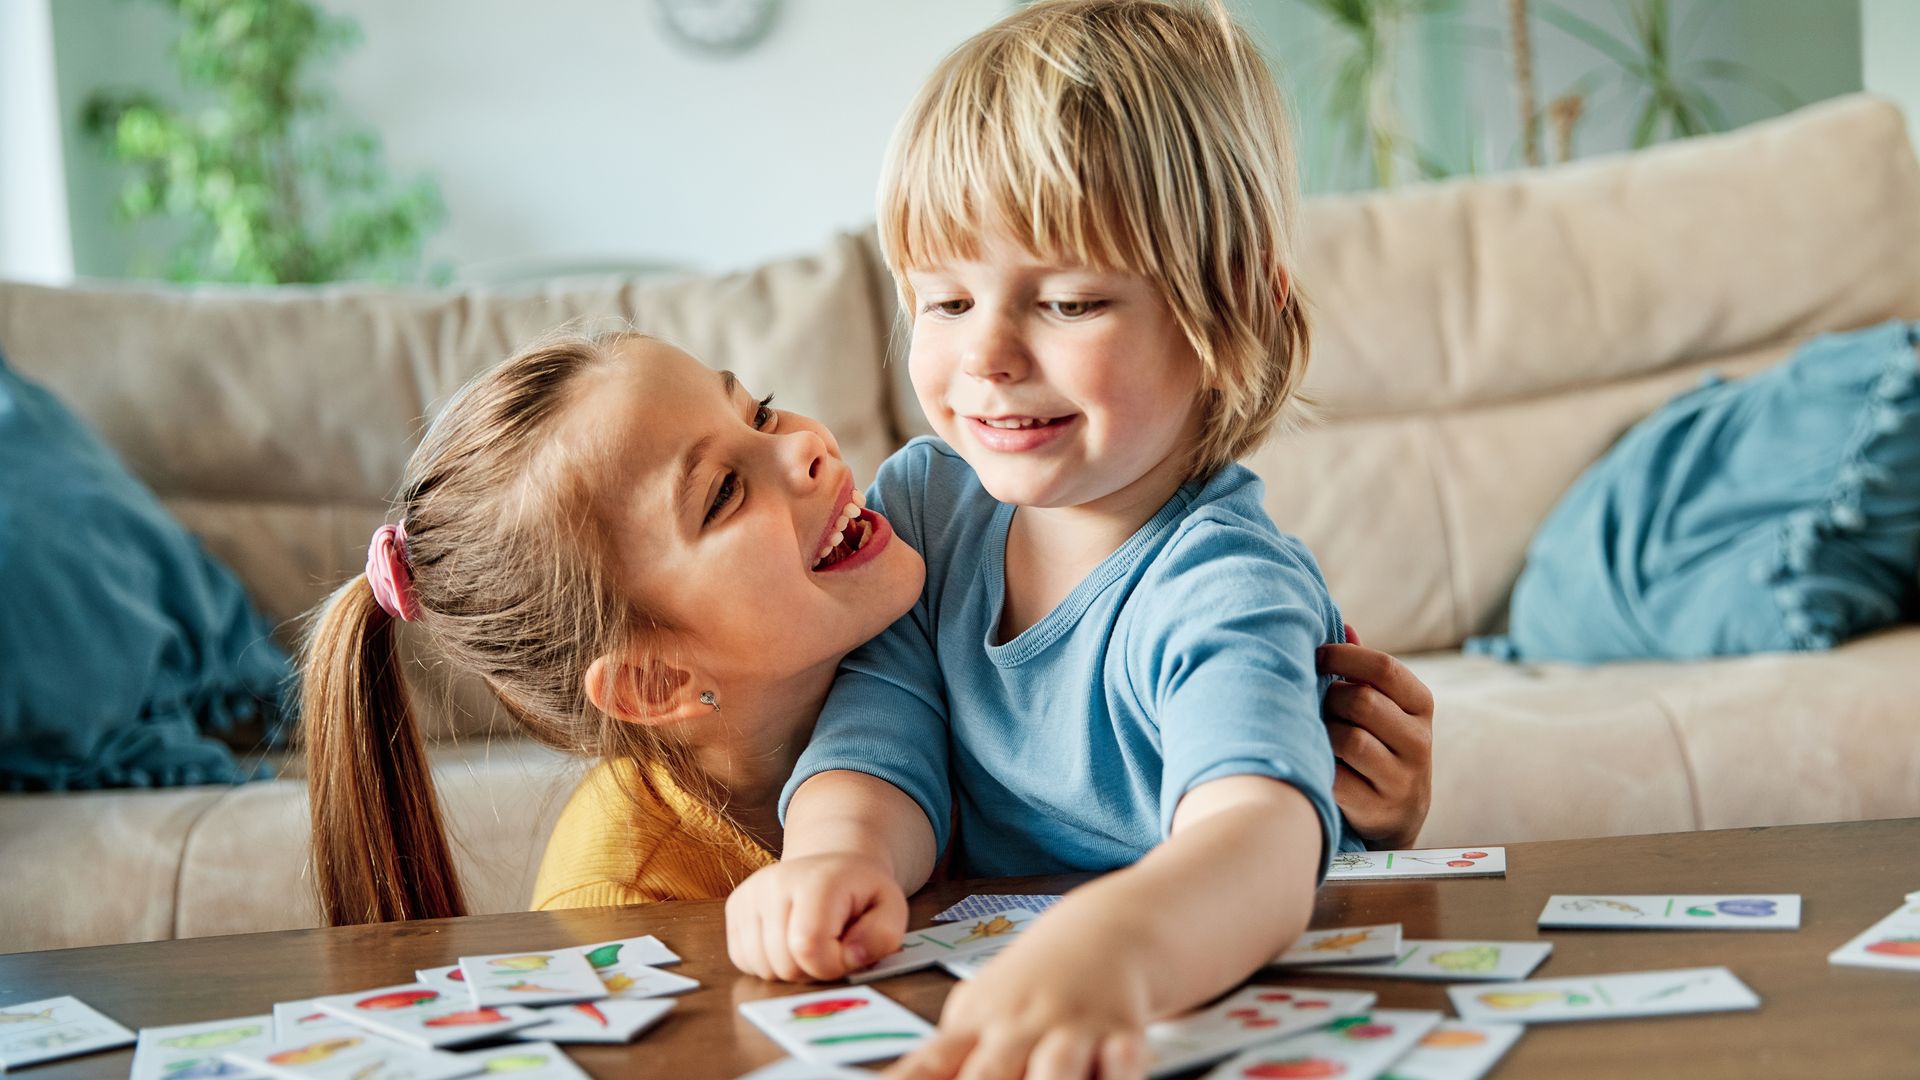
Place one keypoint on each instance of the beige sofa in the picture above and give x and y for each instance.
(1476, 345)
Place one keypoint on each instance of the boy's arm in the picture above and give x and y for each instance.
(1225, 893)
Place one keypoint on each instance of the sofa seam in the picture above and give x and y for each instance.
(1450, 550)
(186, 848)
(1687, 771)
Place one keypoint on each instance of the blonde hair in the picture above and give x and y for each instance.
(1139, 135)
(516, 584)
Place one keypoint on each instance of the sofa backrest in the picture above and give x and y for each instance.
(1479, 343)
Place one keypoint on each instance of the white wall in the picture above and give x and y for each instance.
(1890, 54)
(34, 240)
(572, 132)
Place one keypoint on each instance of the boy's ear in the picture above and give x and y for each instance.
(644, 691)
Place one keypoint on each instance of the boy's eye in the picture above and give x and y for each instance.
(1075, 309)
(950, 307)
(763, 413)
(729, 486)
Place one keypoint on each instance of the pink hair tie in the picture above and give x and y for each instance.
(388, 574)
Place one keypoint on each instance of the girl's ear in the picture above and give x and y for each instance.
(644, 691)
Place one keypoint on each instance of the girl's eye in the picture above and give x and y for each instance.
(1075, 309)
(763, 413)
(950, 308)
(729, 486)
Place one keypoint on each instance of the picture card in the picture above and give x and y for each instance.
(445, 979)
(796, 1069)
(966, 967)
(925, 948)
(1605, 997)
(839, 1026)
(182, 1051)
(1456, 1050)
(627, 968)
(525, 1061)
(1892, 943)
(556, 977)
(1418, 863)
(1455, 961)
(1348, 944)
(634, 982)
(54, 1028)
(358, 1055)
(981, 904)
(615, 1020)
(1242, 1020)
(418, 1014)
(1736, 911)
(646, 949)
(1352, 1048)
(303, 1020)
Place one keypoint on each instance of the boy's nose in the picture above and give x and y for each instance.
(994, 352)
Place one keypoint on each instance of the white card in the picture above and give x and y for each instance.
(1455, 961)
(418, 1014)
(1457, 1051)
(356, 1055)
(445, 979)
(1347, 944)
(303, 1021)
(796, 1069)
(192, 1051)
(646, 949)
(1893, 942)
(925, 948)
(1418, 863)
(1736, 911)
(556, 977)
(1605, 997)
(526, 1061)
(1354, 1048)
(54, 1028)
(839, 1027)
(1245, 1019)
(612, 1021)
(966, 967)
(635, 982)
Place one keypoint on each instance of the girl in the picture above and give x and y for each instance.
(626, 546)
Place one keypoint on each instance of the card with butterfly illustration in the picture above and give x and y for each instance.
(1242, 1020)
(555, 977)
(953, 941)
(1605, 997)
(1736, 911)
(1418, 863)
(1352, 1048)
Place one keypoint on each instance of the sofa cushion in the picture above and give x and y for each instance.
(121, 642)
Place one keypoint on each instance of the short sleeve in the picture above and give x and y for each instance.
(1225, 664)
(886, 715)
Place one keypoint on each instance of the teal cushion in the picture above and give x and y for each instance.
(1777, 513)
(122, 643)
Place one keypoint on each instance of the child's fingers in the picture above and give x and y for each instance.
(998, 1055)
(878, 930)
(1358, 747)
(1123, 1056)
(1352, 635)
(813, 933)
(1405, 734)
(1063, 1055)
(773, 943)
(1357, 663)
(939, 1058)
(743, 932)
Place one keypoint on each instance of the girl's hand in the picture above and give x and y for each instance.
(1380, 717)
(815, 918)
(1066, 1001)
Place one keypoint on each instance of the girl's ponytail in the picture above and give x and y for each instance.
(380, 850)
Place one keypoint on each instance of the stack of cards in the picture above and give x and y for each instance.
(981, 904)
(1242, 1020)
(1421, 863)
(925, 948)
(1454, 961)
(343, 1056)
(560, 977)
(1605, 997)
(838, 1027)
(419, 1015)
(194, 1050)
(1664, 911)
(1456, 1050)
(1352, 1048)
(616, 1020)
(1893, 942)
(55, 1028)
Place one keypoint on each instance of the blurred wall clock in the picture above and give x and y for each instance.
(718, 27)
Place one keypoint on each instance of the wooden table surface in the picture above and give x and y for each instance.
(1816, 1019)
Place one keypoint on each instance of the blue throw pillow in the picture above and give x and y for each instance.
(121, 641)
(1780, 512)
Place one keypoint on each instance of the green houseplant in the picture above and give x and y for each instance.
(269, 187)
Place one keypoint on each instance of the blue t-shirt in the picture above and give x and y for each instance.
(1186, 656)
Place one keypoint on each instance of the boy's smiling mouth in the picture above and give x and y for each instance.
(1017, 434)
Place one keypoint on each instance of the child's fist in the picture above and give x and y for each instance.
(1380, 716)
(815, 918)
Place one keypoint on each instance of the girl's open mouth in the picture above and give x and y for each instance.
(861, 539)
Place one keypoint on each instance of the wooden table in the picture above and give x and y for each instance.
(1816, 1020)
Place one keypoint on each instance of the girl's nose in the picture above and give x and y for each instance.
(803, 455)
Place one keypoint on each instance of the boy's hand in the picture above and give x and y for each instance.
(1381, 719)
(815, 918)
(1064, 1002)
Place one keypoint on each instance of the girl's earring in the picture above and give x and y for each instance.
(706, 698)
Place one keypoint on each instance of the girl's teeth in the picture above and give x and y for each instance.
(824, 552)
(859, 499)
(834, 540)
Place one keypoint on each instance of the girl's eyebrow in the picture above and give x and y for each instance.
(691, 460)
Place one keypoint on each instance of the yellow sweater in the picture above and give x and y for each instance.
(630, 835)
